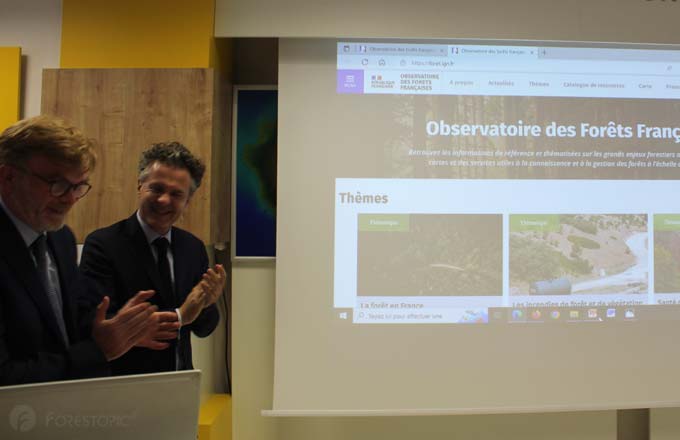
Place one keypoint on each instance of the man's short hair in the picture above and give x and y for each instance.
(50, 136)
(172, 154)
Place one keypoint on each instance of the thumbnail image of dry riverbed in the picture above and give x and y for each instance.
(597, 254)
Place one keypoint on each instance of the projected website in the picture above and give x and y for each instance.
(516, 185)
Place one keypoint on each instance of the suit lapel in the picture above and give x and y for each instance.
(18, 258)
(142, 254)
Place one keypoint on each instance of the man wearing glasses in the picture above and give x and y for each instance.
(44, 170)
(146, 251)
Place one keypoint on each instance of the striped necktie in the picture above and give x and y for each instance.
(39, 250)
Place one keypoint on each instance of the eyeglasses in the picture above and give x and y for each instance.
(61, 187)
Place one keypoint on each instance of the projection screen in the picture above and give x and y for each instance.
(476, 227)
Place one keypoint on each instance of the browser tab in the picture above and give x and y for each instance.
(505, 70)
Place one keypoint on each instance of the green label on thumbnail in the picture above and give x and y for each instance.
(535, 222)
(667, 222)
(384, 222)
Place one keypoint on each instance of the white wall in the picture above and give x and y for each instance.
(253, 372)
(652, 21)
(35, 26)
(253, 349)
(649, 21)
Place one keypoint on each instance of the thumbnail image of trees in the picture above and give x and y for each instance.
(586, 254)
(440, 255)
(667, 261)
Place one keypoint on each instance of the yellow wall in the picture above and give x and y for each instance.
(134, 33)
(10, 85)
(214, 421)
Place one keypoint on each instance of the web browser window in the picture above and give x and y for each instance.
(510, 184)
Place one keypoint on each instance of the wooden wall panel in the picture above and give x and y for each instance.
(126, 110)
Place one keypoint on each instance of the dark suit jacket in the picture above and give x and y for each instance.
(119, 260)
(31, 346)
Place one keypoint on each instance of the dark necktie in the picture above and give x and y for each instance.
(39, 250)
(167, 291)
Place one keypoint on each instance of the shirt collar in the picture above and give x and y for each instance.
(27, 233)
(150, 234)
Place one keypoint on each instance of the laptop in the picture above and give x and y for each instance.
(141, 407)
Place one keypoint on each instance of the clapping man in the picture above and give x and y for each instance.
(145, 251)
(44, 169)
